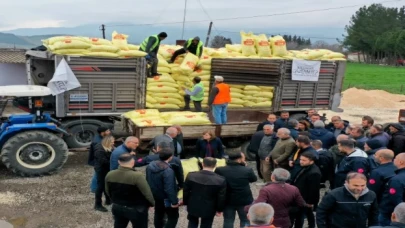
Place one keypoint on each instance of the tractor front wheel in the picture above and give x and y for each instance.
(34, 153)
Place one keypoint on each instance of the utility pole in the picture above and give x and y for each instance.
(103, 30)
(184, 19)
(208, 35)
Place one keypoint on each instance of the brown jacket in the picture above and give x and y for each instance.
(282, 150)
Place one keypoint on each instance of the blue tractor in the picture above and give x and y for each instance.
(31, 144)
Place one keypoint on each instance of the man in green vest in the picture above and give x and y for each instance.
(193, 45)
(196, 95)
(151, 46)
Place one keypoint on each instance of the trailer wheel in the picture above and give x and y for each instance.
(245, 149)
(81, 135)
(34, 153)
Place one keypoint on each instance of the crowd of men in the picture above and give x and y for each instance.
(363, 166)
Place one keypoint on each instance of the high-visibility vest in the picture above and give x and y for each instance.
(224, 94)
(146, 41)
(200, 95)
(199, 45)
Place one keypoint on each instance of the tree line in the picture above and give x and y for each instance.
(378, 33)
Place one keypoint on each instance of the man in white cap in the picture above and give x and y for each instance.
(218, 100)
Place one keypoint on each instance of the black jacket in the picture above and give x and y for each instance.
(394, 193)
(162, 181)
(327, 138)
(204, 193)
(340, 209)
(175, 164)
(354, 162)
(308, 181)
(101, 159)
(216, 148)
(379, 177)
(96, 140)
(237, 178)
(397, 142)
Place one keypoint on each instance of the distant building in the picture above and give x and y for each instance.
(12, 67)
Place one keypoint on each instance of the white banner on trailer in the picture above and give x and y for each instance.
(304, 70)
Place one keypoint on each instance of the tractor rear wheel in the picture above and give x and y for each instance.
(34, 153)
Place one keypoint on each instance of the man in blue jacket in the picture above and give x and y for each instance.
(355, 161)
(162, 181)
(381, 175)
(394, 193)
(130, 145)
(320, 133)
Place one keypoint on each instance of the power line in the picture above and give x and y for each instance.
(258, 16)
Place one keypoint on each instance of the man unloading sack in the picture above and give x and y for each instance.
(151, 46)
(193, 45)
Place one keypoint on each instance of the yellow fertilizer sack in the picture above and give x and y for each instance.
(251, 88)
(162, 89)
(278, 46)
(189, 120)
(189, 63)
(150, 99)
(120, 41)
(133, 47)
(80, 52)
(103, 48)
(70, 44)
(263, 104)
(169, 84)
(248, 43)
(52, 40)
(168, 100)
(164, 69)
(99, 41)
(264, 94)
(263, 46)
(166, 106)
(131, 53)
(175, 95)
(237, 95)
(162, 78)
(141, 113)
(237, 101)
(102, 54)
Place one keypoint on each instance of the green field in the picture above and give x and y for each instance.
(366, 76)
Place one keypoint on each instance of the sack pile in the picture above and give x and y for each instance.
(152, 117)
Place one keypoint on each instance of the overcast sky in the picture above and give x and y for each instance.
(69, 13)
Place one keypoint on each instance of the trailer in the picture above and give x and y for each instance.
(111, 87)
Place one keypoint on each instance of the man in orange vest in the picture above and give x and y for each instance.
(218, 100)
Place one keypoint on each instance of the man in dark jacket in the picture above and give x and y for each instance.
(175, 163)
(130, 194)
(204, 194)
(397, 218)
(381, 175)
(397, 143)
(304, 145)
(357, 133)
(308, 181)
(101, 132)
(355, 161)
(271, 119)
(162, 181)
(193, 45)
(325, 162)
(282, 122)
(281, 196)
(349, 206)
(238, 193)
(394, 193)
(377, 132)
(319, 132)
(151, 46)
